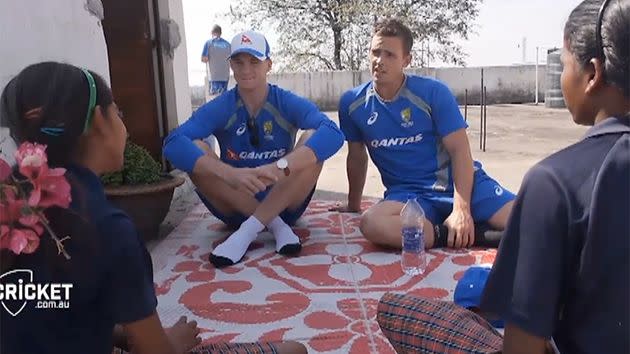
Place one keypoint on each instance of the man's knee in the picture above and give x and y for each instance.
(368, 225)
(500, 218)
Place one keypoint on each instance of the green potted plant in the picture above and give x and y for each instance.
(142, 190)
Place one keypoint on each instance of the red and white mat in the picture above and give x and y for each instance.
(325, 298)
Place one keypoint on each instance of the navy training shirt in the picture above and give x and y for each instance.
(111, 276)
(563, 267)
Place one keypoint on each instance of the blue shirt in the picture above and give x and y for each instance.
(276, 126)
(110, 271)
(563, 267)
(404, 135)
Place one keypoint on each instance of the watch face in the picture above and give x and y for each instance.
(282, 163)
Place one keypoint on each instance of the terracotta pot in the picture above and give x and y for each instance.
(147, 205)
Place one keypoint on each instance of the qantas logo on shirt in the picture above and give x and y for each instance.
(253, 155)
(231, 155)
(377, 143)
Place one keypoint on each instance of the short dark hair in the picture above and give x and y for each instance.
(216, 29)
(580, 35)
(391, 27)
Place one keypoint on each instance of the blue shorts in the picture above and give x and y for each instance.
(290, 217)
(218, 87)
(488, 196)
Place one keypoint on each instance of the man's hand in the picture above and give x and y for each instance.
(461, 228)
(346, 208)
(250, 180)
(184, 335)
(270, 169)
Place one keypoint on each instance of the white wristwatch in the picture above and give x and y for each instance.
(283, 165)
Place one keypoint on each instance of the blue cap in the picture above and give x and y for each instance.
(470, 288)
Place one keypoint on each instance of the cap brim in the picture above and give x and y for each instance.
(256, 54)
(465, 303)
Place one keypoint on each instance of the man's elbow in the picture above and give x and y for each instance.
(168, 146)
(338, 141)
(357, 156)
(326, 141)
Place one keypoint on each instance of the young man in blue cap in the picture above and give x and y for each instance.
(416, 136)
(262, 178)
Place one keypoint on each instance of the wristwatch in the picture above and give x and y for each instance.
(283, 164)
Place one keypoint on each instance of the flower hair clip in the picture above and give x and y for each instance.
(24, 197)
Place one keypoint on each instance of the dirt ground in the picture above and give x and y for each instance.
(517, 137)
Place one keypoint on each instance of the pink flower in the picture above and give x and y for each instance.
(21, 206)
(5, 170)
(31, 157)
(18, 240)
(50, 188)
(10, 207)
(4, 236)
(23, 241)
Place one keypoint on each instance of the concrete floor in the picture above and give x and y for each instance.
(518, 136)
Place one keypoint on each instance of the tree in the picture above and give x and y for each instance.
(335, 34)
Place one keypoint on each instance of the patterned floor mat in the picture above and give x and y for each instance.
(326, 298)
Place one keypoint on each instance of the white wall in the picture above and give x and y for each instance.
(176, 68)
(32, 31)
(504, 84)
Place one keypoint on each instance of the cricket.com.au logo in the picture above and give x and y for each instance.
(17, 289)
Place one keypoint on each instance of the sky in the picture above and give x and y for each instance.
(498, 39)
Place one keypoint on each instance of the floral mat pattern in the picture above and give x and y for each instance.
(325, 298)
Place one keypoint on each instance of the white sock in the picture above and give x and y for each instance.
(284, 236)
(236, 245)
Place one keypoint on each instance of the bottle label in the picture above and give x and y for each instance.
(412, 239)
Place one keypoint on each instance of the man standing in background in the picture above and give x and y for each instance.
(216, 52)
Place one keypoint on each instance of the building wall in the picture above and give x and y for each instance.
(70, 31)
(176, 66)
(33, 31)
(504, 84)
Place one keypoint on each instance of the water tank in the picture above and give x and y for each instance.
(553, 94)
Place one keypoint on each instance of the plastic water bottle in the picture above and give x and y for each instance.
(413, 258)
